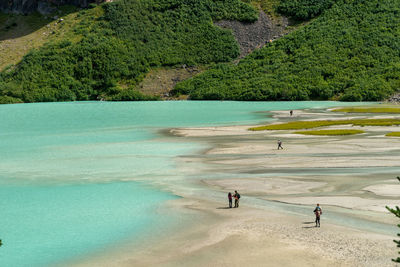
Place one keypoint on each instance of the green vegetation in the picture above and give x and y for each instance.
(118, 43)
(396, 134)
(303, 9)
(348, 53)
(368, 110)
(331, 132)
(396, 212)
(268, 6)
(9, 100)
(295, 125)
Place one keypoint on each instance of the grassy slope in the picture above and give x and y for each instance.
(347, 53)
(350, 52)
(160, 81)
(19, 34)
(121, 46)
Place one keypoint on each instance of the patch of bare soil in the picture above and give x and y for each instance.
(251, 36)
(160, 81)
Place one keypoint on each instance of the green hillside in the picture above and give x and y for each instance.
(115, 45)
(350, 52)
(340, 49)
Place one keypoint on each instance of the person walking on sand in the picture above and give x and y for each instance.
(291, 113)
(230, 199)
(280, 144)
(317, 212)
(237, 197)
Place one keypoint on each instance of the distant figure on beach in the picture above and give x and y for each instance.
(237, 197)
(230, 199)
(317, 212)
(280, 144)
(291, 113)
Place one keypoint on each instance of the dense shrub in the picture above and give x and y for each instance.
(350, 53)
(9, 100)
(303, 9)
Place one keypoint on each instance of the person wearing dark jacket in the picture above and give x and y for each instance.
(230, 199)
(317, 212)
(237, 197)
(280, 144)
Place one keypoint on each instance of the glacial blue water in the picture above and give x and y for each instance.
(69, 172)
(44, 225)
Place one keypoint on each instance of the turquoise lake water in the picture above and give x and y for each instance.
(69, 172)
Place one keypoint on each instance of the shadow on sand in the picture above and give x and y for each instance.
(307, 227)
(223, 208)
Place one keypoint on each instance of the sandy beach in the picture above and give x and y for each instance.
(255, 237)
(352, 177)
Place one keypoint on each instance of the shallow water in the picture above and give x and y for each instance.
(43, 224)
(69, 171)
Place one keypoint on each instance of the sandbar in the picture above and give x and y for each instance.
(309, 170)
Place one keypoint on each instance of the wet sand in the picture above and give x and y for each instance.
(352, 177)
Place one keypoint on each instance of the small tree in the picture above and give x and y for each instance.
(396, 211)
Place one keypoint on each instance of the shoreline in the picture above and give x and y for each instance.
(253, 234)
(250, 235)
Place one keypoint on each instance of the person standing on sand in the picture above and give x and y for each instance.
(291, 113)
(280, 144)
(317, 212)
(230, 199)
(236, 196)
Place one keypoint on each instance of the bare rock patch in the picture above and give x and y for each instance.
(251, 36)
